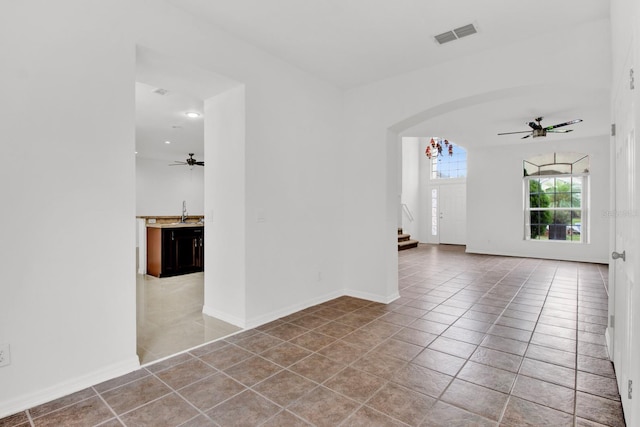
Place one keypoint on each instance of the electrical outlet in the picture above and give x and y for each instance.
(5, 354)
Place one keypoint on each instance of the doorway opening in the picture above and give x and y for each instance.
(433, 197)
(171, 191)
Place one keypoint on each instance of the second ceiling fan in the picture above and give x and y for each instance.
(190, 162)
(537, 130)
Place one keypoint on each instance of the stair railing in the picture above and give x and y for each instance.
(407, 211)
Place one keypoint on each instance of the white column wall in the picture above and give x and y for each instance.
(225, 207)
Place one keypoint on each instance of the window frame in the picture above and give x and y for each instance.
(433, 171)
(583, 209)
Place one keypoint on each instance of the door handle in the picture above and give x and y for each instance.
(617, 255)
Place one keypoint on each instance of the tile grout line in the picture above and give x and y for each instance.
(575, 379)
(485, 334)
(108, 406)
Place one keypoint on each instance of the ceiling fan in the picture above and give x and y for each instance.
(538, 130)
(190, 161)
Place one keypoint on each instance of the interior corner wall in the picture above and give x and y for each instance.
(160, 189)
(495, 201)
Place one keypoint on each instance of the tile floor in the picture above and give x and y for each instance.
(169, 316)
(473, 341)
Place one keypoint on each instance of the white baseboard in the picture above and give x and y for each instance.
(372, 297)
(269, 317)
(29, 400)
(226, 317)
(277, 314)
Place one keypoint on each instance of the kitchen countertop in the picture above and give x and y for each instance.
(177, 225)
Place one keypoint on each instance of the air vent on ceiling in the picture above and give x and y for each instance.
(446, 37)
(455, 34)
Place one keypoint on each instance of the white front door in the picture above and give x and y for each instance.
(452, 214)
(626, 301)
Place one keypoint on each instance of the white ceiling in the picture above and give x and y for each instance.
(161, 118)
(477, 124)
(355, 42)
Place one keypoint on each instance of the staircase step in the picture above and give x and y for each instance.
(407, 244)
(403, 237)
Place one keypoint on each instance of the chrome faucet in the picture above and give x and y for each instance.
(183, 218)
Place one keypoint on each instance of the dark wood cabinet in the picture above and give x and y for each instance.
(175, 250)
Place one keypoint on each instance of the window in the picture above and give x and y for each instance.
(434, 211)
(556, 191)
(445, 166)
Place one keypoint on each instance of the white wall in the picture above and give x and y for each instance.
(67, 285)
(495, 219)
(411, 194)
(160, 189)
(68, 279)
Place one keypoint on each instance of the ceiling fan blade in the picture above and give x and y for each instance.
(510, 133)
(177, 163)
(560, 130)
(570, 122)
(200, 163)
(524, 137)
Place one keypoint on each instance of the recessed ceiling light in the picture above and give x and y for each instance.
(167, 142)
(192, 114)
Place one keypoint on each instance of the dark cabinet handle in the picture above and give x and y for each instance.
(173, 237)
(201, 242)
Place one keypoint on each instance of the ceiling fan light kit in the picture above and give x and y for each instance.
(537, 130)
